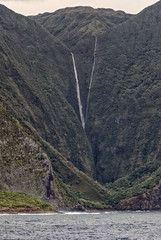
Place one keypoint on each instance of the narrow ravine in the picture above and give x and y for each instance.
(78, 93)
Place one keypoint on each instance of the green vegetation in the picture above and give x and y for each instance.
(24, 166)
(77, 28)
(36, 79)
(139, 181)
(21, 202)
(72, 25)
(44, 152)
(124, 115)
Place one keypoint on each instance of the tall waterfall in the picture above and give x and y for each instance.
(78, 93)
(84, 118)
(91, 78)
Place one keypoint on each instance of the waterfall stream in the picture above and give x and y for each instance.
(82, 117)
(91, 78)
(78, 93)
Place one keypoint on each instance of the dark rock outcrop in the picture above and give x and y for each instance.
(150, 200)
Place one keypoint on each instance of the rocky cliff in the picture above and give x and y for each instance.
(150, 200)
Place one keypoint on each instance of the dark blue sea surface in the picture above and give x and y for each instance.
(82, 226)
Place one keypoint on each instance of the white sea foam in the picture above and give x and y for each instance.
(82, 213)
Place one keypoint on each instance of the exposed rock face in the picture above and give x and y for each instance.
(151, 200)
(24, 167)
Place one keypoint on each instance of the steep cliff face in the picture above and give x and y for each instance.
(36, 79)
(35, 83)
(123, 122)
(126, 92)
(120, 146)
(24, 166)
(123, 125)
(77, 28)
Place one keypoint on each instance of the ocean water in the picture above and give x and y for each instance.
(82, 226)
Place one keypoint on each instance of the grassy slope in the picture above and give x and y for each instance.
(21, 202)
(82, 188)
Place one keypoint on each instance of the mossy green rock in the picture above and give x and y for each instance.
(24, 166)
